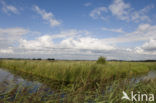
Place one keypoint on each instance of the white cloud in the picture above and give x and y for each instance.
(141, 14)
(113, 30)
(72, 44)
(148, 47)
(123, 11)
(70, 33)
(9, 8)
(77, 44)
(11, 34)
(86, 43)
(39, 43)
(120, 9)
(144, 32)
(6, 51)
(13, 31)
(10, 37)
(71, 39)
(87, 4)
(67, 48)
(129, 50)
(47, 16)
(98, 12)
(15, 37)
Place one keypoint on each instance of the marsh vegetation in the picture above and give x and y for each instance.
(77, 81)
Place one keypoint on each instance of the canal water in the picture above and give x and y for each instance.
(151, 75)
(9, 80)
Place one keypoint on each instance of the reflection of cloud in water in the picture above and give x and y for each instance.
(8, 80)
(4, 75)
(151, 75)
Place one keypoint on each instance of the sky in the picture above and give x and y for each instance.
(78, 29)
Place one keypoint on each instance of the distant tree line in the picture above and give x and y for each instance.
(50, 59)
(100, 59)
(134, 60)
(27, 58)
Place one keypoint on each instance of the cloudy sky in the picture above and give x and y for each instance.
(78, 29)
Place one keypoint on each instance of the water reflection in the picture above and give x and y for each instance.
(8, 80)
(151, 75)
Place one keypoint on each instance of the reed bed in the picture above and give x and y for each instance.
(72, 71)
(78, 81)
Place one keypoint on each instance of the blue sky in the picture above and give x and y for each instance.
(78, 29)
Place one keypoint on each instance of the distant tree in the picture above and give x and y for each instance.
(33, 59)
(101, 60)
(38, 59)
(50, 59)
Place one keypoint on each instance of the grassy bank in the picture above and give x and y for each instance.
(84, 72)
(73, 71)
(82, 81)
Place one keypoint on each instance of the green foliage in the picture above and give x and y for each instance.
(101, 60)
(86, 80)
(77, 71)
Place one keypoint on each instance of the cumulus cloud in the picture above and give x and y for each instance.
(71, 39)
(39, 43)
(98, 12)
(6, 51)
(86, 43)
(12, 34)
(148, 47)
(141, 14)
(78, 44)
(9, 36)
(9, 8)
(143, 32)
(120, 9)
(71, 44)
(123, 11)
(48, 16)
(67, 48)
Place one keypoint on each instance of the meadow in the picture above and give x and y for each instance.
(81, 81)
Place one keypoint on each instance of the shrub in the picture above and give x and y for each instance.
(101, 60)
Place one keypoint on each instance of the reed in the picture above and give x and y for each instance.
(79, 81)
(71, 71)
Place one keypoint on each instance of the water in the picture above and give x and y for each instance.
(8, 80)
(149, 76)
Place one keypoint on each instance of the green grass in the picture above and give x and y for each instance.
(81, 80)
(71, 71)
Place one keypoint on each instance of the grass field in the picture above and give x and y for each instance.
(83, 80)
